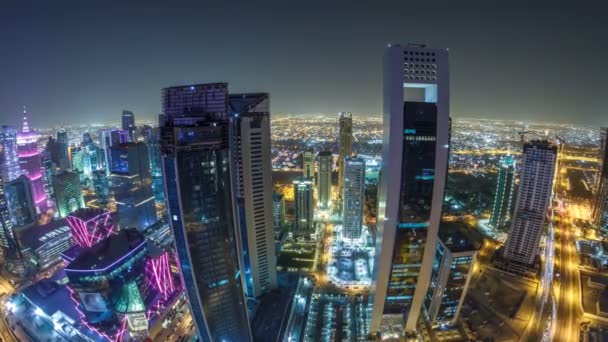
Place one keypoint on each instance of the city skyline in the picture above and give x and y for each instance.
(47, 63)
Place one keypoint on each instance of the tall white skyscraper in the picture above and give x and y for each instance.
(533, 200)
(353, 197)
(324, 180)
(304, 205)
(308, 164)
(415, 160)
(345, 144)
(250, 115)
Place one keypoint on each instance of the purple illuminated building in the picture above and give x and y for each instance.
(30, 161)
(90, 226)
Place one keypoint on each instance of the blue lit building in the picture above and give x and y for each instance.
(200, 197)
(128, 124)
(20, 201)
(9, 159)
(101, 185)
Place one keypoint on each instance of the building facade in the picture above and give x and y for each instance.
(250, 139)
(304, 207)
(415, 160)
(533, 200)
(9, 157)
(68, 193)
(600, 210)
(200, 197)
(30, 162)
(353, 197)
(278, 215)
(505, 188)
(128, 124)
(324, 180)
(308, 164)
(21, 206)
(345, 145)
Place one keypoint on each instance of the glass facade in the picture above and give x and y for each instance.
(417, 179)
(505, 187)
(199, 192)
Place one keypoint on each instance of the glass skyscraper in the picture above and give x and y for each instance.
(415, 160)
(505, 187)
(345, 145)
(324, 180)
(353, 197)
(9, 159)
(128, 124)
(68, 192)
(200, 198)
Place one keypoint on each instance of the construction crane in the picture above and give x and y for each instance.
(522, 135)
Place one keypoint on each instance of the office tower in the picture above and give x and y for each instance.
(30, 161)
(101, 186)
(600, 210)
(324, 180)
(21, 206)
(132, 185)
(128, 125)
(63, 159)
(533, 200)
(278, 214)
(68, 193)
(44, 244)
(86, 139)
(505, 187)
(345, 145)
(304, 205)
(79, 160)
(109, 138)
(8, 244)
(250, 139)
(450, 277)
(9, 158)
(414, 170)
(48, 172)
(152, 140)
(308, 164)
(353, 197)
(90, 226)
(200, 195)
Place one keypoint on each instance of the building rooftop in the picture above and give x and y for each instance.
(107, 253)
(87, 214)
(35, 236)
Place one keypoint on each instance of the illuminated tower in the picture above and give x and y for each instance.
(345, 145)
(324, 180)
(63, 159)
(68, 192)
(533, 200)
(505, 186)
(21, 206)
(128, 124)
(30, 161)
(90, 226)
(414, 170)
(9, 158)
(8, 244)
(304, 206)
(250, 116)
(600, 210)
(353, 197)
(200, 196)
(132, 185)
(308, 164)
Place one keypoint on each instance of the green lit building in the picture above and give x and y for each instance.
(505, 187)
(68, 192)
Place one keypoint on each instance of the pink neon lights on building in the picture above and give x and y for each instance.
(89, 226)
(158, 273)
(30, 162)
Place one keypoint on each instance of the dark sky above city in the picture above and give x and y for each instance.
(71, 62)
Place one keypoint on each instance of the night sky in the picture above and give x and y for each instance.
(76, 63)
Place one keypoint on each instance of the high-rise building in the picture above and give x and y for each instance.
(30, 161)
(132, 185)
(68, 193)
(324, 180)
(600, 210)
(63, 159)
(21, 206)
(101, 185)
(250, 116)
(308, 164)
(414, 170)
(128, 124)
(345, 145)
(452, 270)
(90, 226)
(304, 206)
(8, 243)
(9, 158)
(505, 187)
(200, 197)
(533, 200)
(278, 214)
(353, 197)
(152, 140)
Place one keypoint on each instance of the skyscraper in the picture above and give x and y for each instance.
(101, 185)
(250, 116)
(278, 214)
(505, 187)
(9, 158)
(68, 192)
(30, 161)
(128, 124)
(533, 200)
(304, 206)
(308, 164)
(414, 170)
(324, 180)
(8, 244)
(345, 145)
(132, 185)
(200, 198)
(63, 159)
(353, 197)
(152, 140)
(600, 210)
(21, 206)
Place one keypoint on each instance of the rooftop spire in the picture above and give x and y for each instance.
(25, 128)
